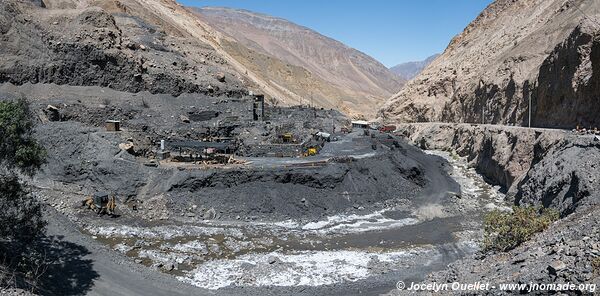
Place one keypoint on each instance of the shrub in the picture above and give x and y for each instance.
(504, 231)
(21, 216)
(596, 265)
(18, 147)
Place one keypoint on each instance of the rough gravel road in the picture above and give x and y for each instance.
(100, 271)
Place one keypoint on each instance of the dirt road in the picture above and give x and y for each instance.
(89, 268)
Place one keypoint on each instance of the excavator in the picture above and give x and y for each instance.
(311, 151)
(102, 203)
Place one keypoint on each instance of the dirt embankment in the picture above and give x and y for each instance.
(91, 46)
(556, 169)
(301, 193)
(94, 162)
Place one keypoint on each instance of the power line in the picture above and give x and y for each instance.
(588, 17)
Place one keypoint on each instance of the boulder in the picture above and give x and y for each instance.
(210, 214)
(220, 77)
(127, 147)
(184, 119)
(52, 113)
(556, 266)
(130, 45)
(171, 265)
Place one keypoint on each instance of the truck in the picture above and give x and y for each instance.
(387, 128)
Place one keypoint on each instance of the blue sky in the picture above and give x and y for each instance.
(391, 31)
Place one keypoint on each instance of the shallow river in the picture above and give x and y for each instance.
(338, 249)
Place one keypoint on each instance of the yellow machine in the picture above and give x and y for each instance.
(101, 203)
(311, 151)
(287, 137)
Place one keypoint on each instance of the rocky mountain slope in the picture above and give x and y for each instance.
(410, 70)
(546, 52)
(302, 63)
(130, 45)
(163, 47)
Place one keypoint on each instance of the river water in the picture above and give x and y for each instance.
(338, 249)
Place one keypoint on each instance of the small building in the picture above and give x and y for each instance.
(360, 124)
(113, 125)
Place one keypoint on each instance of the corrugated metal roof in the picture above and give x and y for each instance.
(360, 122)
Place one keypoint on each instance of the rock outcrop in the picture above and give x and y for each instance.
(549, 168)
(563, 254)
(516, 53)
(539, 167)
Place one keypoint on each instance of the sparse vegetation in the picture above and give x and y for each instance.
(505, 231)
(21, 217)
(274, 102)
(596, 265)
(18, 148)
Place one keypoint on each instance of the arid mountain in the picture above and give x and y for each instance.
(163, 47)
(127, 45)
(410, 70)
(545, 52)
(302, 63)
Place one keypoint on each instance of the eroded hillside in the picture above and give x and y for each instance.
(302, 63)
(163, 47)
(546, 52)
(125, 45)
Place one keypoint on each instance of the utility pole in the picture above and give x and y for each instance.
(312, 104)
(529, 111)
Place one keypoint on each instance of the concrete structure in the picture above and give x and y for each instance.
(276, 150)
(201, 147)
(258, 108)
(162, 155)
(113, 125)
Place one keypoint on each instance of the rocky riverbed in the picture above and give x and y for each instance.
(376, 247)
